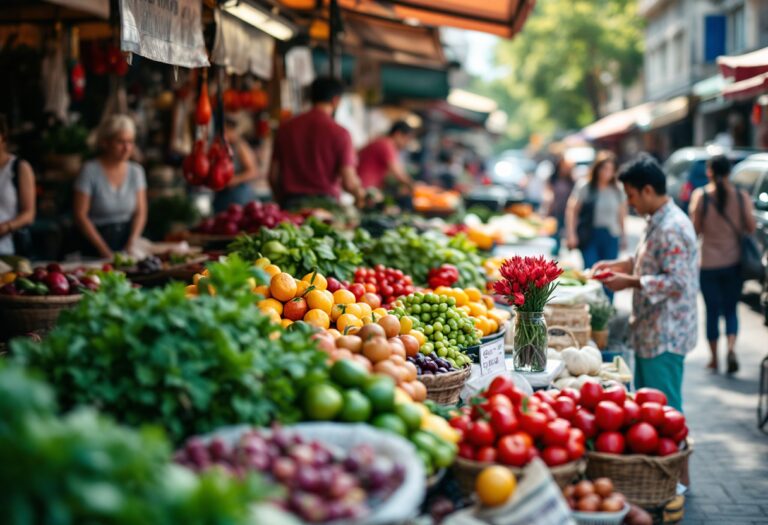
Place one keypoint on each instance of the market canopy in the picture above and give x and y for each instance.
(748, 65)
(748, 88)
(619, 123)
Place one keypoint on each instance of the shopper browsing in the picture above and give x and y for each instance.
(664, 277)
(381, 158)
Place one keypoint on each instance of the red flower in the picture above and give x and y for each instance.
(519, 299)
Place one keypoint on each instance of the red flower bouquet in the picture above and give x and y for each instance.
(528, 283)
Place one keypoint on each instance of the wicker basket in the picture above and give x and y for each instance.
(574, 317)
(601, 518)
(22, 314)
(466, 470)
(646, 481)
(561, 337)
(445, 389)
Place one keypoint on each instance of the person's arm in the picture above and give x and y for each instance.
(622, 219)
(81, 206)
(351, 184)
(248, 161)
(26, 198)
(694, 211)
(625, 266)
(547, 199)
(571, 219)
(749, 216)
(139, 218)
(397, 170)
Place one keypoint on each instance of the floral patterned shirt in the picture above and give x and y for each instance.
(664, 309)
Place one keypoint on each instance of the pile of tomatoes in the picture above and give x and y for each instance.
(389, 283)
(503, 425)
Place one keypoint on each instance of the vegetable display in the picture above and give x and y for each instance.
(49, 280)
(248, 218)
(388, 283)
(594, 496)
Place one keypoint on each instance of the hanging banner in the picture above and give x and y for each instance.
(242, 49)
(168, 31)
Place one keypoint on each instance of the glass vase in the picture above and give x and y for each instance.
(530, 342)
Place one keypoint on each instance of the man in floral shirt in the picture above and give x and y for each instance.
(664, 276)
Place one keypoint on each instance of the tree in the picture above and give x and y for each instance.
(560, 62)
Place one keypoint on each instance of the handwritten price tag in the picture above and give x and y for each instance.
(492, 357)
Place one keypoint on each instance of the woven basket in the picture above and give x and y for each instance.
(574, 317)
(445, 389)
(22, 314)
(466, 470)
(646, 481)
(561, 337)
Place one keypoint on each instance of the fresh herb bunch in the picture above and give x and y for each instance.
(601, 311)
(84, 468)
(299, 250)
(415, 253)
(188, 365)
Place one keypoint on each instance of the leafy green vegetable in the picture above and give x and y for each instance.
(299, 250)
(601, 312)
(415, 253)
(188, 365)
(85, 469)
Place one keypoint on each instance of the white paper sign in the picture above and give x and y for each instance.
(242, 49)
(168, 31)
(492, 358)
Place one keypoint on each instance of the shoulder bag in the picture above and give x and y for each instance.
(751, 265)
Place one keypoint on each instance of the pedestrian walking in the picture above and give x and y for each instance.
(663, 274)
(721, 214)
(558, 191)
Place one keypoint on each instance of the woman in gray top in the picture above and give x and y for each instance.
(601, 202)
(110, 193)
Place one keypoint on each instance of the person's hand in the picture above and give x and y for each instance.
(5, 229)
(106, 253)
(620, 281)
(608, 266)
(572, 241)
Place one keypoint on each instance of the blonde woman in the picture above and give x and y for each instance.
(110, 193)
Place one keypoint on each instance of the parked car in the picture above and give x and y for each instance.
(757, 166)
(686, 169)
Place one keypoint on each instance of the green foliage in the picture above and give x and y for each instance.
(602, 312)
(66, 140)
(416, 253)
(299, 250)
(188, 365)
(165, 211)
(85, 469)
(558, 63)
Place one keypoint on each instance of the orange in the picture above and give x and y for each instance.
(274, 305)
(335, 333)
(283, 287)
(262, 262)
(286, 323)
(342, 296)
(317, 280)
(495, 485)
(420, 337)
(272, 270)
(365, 309)
(488, 300)
(477, 309)
(338, 310)
(196, 278)
(474, 294)
(274, 317)
(318, 300)
(443, 290)
(262, 290)
(347, 320)
(318, 318)
(370, 288)
(461, 297)
(406, 324)
(354, 309)
(380, 312)
(191, 290)
(301, 288)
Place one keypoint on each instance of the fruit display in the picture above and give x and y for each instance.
(594, 496)
(447, 330)
(249, 218)
(502, 425)
(427, 198)
(320, 483)
(495, 485)
(299, 250)
(431, 364)
(49, 280)
(480, 307)
(388, 283)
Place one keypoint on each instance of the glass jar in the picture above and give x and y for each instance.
(530, 342)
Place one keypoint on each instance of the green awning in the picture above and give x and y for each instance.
(407, 82)
(320, 62)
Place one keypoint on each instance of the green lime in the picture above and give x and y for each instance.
(322, 402)
(423, 440)
(357, 408)
(442, 455)
(391, 423)
(427, 460)
(380, 391)
(410, 414)
(349, 374)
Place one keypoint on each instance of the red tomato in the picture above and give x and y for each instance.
(556, 433)
(666, 447)
(533, 452)
(673, 423)
(565, 407)
(497, 401)
(358, 290)
(631, 412)
(460, 423)
(501, 384)
(642, 438)
(513, 450)
(534, 423)
(525, 436)
(584, 420)
(575, 449)
(503, 421)
(610, 443)
(480, 434)
(616, 393)
(652, 413)
(466, 451)
(591, 393)
(548, 411)
(578, 435)
(644, 395)
(572, 393)
(680, 436)
(554, 456)
(486, 455)
(609, 416)
(545, 397)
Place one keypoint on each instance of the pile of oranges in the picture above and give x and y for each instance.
(487, 318)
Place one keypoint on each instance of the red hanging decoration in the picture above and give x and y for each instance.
(77, 77)
(757, 114)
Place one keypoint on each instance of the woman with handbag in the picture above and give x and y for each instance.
(722, 216)
(596, 213)
(17, 193)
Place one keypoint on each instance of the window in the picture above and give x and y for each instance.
(736, 39)
(662, 58)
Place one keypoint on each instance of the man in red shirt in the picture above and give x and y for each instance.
(312, 154)
(382, 157)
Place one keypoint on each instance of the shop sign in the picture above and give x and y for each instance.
(168, 31)
(492, 357)
(242, 49)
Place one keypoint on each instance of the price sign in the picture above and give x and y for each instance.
(492, 357)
